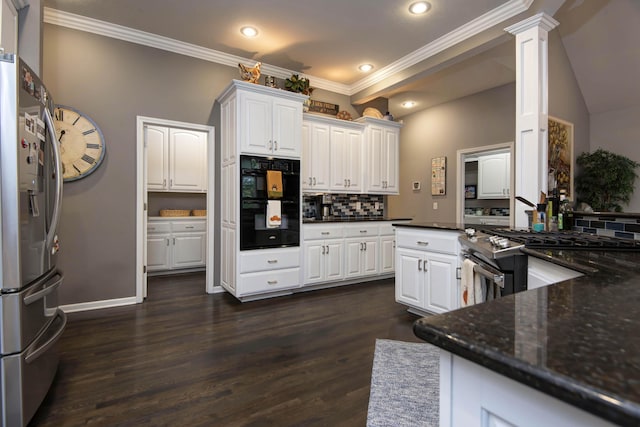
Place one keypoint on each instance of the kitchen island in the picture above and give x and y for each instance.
(569, 352)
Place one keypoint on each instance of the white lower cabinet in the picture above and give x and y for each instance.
(426, 269)
(542, 273)
(337, 252)
(323, 261)
(361, 257)
(176, 243)
(472, 395)
(267, 271)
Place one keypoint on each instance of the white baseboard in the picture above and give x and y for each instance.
(96, 305)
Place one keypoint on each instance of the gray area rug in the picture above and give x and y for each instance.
(404, 385)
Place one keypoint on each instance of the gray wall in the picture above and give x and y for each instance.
(481, 119)
(618, 131)
(113, 82)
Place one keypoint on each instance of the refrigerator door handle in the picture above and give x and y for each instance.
(47, 287)
(55, 216)
(33, 354)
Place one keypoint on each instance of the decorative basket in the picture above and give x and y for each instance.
(174, 212)
(199, 212)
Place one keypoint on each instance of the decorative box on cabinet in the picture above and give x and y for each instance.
(176, 159)
(381, 144)
(176, 243)
(426, 269)
(494, 176)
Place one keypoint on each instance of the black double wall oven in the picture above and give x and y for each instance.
(269, 202)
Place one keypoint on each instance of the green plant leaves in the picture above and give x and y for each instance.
(606, 180)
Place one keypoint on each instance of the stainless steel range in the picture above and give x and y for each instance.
(497, 259)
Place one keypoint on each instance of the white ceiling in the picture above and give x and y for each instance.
(327, 40)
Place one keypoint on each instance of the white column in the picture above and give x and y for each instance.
(532, 113)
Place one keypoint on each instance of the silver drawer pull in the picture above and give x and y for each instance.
(272, 237)
(363, 231)
(325, 233)
(272, 261)
(272, 282)
(188, 226)
(421, 243)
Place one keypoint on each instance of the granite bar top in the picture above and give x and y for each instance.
(350, 219)
(577, 340)
(432, 225)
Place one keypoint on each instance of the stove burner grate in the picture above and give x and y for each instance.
(568, 240)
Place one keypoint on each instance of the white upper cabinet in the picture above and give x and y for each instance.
(382, 138)
(269, 125)
(315, 156)
(332, 155)
(176, 159)
(494, 176)
(346, 159)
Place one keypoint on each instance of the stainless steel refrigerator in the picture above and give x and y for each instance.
(30, 200)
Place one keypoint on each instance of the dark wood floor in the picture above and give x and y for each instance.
(187, 358)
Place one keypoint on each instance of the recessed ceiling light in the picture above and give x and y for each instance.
(249, 31)
(408, 104)
(365, 68)
(419, 7)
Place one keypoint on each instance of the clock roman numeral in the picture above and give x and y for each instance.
(88, 132)
(93, 146)
(75, 121)
(59, 115)
(88, 159)
(76, 168)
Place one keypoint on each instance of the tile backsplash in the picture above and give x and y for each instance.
(348, 205)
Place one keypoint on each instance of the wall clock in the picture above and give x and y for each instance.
(82, 145)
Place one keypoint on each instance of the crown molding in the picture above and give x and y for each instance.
(470, 29)
(119, 32)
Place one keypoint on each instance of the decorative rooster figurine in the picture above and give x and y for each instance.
(250, 74)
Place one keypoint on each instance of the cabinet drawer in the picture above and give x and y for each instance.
(186, 226)
(316, 232)
(269, 260)
(159, 227)
(428, 241)
(387, 229)
(266, 281)
(361, 230)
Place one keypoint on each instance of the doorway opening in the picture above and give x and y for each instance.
(490, 204)
(142, 202)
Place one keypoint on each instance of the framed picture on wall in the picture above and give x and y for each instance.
(560, 156)
(470, 191)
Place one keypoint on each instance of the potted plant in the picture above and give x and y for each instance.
(606, 180)
(298, 84)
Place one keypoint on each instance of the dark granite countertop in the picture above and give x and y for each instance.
(437, 225)
(577, 340)
(350, 219)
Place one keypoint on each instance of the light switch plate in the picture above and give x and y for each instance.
(435, 206)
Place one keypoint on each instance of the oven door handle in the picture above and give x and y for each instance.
(485, 269)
